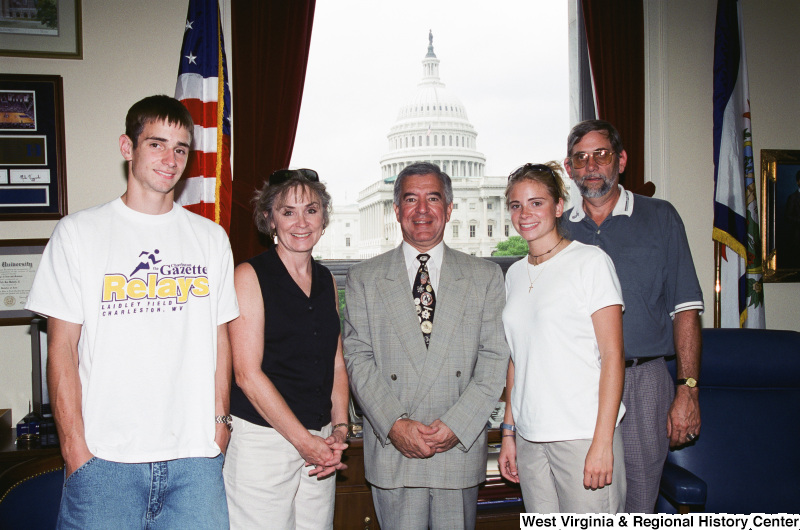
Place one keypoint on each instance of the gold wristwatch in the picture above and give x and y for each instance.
(691, 382)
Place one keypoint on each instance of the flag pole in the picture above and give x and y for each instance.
(717, 286)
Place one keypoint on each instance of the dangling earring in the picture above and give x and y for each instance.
(323, 232)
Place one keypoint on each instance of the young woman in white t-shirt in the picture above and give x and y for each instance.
(563, 321)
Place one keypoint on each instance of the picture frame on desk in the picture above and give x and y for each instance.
(27, 31)
(33, 180)
(780, 215)
(41, 396)
(19, 261)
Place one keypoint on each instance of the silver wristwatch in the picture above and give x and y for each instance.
(227, 420)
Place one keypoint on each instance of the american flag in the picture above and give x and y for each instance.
(206, 186)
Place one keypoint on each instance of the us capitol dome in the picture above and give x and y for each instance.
(431, 126)
(433, 123)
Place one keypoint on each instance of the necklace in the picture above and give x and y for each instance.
(528, 269)
(535, 257)
(541, 270)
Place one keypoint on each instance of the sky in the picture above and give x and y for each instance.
(505, 60)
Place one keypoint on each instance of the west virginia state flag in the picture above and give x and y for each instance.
(203, 88)
(735, 209)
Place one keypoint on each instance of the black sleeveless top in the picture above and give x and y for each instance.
(301, 334)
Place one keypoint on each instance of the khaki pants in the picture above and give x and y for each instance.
(267, 483)
(551, 477)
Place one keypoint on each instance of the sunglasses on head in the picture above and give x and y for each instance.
(282, 175)
(531, 167)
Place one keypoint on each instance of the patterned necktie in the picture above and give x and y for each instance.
(424, 298)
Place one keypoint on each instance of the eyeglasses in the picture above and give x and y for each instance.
(531, 167)
(602, 157)
(282, 175)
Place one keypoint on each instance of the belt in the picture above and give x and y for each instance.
(629, 363)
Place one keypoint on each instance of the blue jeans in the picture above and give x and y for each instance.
(182, 493)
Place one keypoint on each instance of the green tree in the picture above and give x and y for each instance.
(47, 13)
(513, 246)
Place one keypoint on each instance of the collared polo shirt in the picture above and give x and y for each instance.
(650, 251)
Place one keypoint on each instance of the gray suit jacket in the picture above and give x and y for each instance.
(458, 379)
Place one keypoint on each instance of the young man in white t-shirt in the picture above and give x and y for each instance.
(138, 293)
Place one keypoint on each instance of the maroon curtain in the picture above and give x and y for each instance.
(615, 36)
(271, 40)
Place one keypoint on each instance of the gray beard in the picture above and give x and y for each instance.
(591, 193)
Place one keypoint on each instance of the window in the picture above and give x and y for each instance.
(489, 230)
(310, 134)
(455, 205)
(427, 140)
(412, 141)
(472, 230)
(347, 225)
(489, 205)
(506, 230)
(455, 230)
(472, 206)
(347, 241)
(435, 140)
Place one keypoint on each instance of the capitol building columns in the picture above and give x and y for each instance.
(432, 126)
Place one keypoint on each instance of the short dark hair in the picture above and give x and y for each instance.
(419, 169)
(157, 108)
(585, 127)
(268, 197)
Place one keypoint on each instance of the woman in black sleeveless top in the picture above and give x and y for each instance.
(290, 393)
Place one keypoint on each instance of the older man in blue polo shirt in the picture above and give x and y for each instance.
(646, 240)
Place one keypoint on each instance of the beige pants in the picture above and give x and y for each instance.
(551, 477)
(267, 483)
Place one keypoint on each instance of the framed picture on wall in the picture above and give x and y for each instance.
(780, 215)
(41, 28)
(33, 177)
(19, 261)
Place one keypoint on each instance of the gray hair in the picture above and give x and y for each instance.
(420, 169)
(585, 127)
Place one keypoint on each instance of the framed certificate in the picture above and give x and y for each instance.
(32, 160)
(19, 261)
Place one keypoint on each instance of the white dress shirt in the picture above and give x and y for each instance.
(434, 263)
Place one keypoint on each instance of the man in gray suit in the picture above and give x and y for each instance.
(427, 368)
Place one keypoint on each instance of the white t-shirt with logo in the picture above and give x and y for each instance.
(553, 344)
(149, 292)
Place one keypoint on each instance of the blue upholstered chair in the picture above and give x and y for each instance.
(30, 494)
(746, 459)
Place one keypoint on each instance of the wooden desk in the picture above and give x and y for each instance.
(12, 454)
